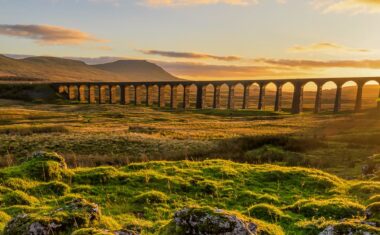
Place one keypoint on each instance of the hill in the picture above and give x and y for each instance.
(138, 70)
(52, 69)
(143, 197)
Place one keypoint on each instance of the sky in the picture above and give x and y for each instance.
(203, 39)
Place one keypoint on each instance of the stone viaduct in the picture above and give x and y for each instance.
(118, 92)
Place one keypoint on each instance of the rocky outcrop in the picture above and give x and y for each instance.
(207, 221)
(78, 213)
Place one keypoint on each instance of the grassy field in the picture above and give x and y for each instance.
(92, 135)
(141, 165)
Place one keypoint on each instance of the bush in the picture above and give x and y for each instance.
(52, 188)
(266, 212)
(151, 197)
(18, 198)
(247, 198)
(332, 208)
(373, 212)
(98, 175)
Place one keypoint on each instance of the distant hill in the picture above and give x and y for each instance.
(138, 70)
(52, 69)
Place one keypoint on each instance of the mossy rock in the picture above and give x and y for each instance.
(55, 188)
(335, 208)
(76, 214)
(18, 197)
(266, 212)
(96, 231)
(373, 213)
(151, 197)
(4, 218)
(342, 228)
(212, 221)
(18, 184)
(42, 166)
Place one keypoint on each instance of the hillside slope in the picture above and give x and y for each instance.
(138, 69)
(52, 69)
(143, 197)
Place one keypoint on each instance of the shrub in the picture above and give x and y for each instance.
(266, 154)
(332, 208)
(18, 198)
(266, 212)
(373, 212)
(52, 188)
(374, 198)
(98, 175)
(247, 198)
(151, 197)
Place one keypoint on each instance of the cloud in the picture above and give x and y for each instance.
(190, 55)
(351, 6)
(48, 34)
(326, 46)
(315, 64)
(196, 2)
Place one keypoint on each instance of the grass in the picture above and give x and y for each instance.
(143, 197)
(93, 135)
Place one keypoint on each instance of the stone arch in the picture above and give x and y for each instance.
(288, 90)
(192, 95)
(254, 92)
(371, 94)
(349, 93)
(238, 95)
(310, 96)
(224, 90)
(83, 93)
(209, 96)
(164, 95)
(180, 94)
(329, 91)
(270, 95)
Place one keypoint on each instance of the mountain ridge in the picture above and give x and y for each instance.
(56, 69)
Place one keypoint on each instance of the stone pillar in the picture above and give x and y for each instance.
(72, 95)
(122, 94)
(148, 94)
(318, 99)
(62, 90)
(338, 98)
(103, 94)
(378, 101)
(359, 97)
(246, 96)
(261, 105)
(137, 95)
(278, 101)
(110, 94)
(161, 96)
(231, 97)
(99, 94)
(186, 96)
(82, 93)
(201, 96)
(216, 101)
(297, 105)
(173, 97)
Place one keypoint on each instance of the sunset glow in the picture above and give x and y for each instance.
(203, 39)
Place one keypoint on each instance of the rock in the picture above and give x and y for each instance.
(350, 228)
(78, 213)
(372, 213)
(207, 221)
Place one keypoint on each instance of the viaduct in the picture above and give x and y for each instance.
(118, 92)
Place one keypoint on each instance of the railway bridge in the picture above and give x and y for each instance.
(119, 92)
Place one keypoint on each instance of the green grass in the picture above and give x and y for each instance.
(144, 196)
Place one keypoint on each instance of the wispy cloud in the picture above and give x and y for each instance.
(196, 2)
(350, 6)
(48, 34)
(189, 55)
(327, 47)
(360, 64)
